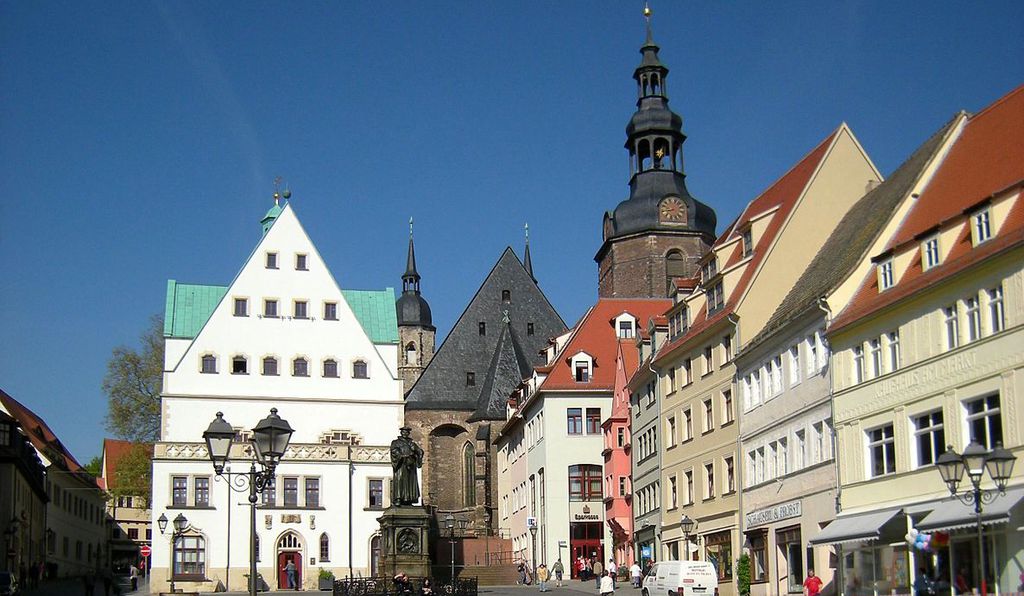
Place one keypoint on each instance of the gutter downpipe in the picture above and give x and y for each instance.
(823, 305)
(351, 473)
(737, 465)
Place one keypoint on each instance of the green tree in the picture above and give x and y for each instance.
(94, 467)
(743, 574)
(134, 474)
(133, 383)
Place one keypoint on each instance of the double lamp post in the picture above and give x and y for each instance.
(451, 523)
(974, 461)
(269, 441)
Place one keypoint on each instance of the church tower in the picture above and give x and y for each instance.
(415, 326)
(660, 232)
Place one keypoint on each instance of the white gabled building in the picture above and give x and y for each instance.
(281, 335)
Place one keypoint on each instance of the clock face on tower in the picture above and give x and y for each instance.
(672, 210)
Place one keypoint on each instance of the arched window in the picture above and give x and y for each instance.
(330, 368)
(410, 353)
(300, 367)
(270, 366)
(359, 370)
(239, 365)
(374, 555)
(468, 476)
(325, 547)
(289, 541)
(189, 558)
(209, 364)
(675, 266)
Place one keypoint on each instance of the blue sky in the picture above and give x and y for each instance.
(139, 141)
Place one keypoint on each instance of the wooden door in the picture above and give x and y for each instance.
(282, 575)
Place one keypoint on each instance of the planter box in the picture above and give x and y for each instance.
(325, 585)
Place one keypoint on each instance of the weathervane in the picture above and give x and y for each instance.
(410, 228)
(278, 194)
(527, 228)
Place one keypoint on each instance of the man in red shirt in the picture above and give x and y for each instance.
(812, 585)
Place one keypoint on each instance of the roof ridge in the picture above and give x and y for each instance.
(1001, 100)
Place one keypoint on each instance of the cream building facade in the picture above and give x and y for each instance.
(744, 277)
(928, 353)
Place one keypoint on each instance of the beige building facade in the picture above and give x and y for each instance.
(929, 353)
(744, 277)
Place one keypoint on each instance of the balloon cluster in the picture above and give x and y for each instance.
(926, 542)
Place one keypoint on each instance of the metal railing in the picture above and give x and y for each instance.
(505, 557)
(383, 586)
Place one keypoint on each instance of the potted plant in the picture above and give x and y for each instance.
(326, 579)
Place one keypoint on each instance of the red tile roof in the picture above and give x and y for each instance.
(596, 336)
(783, 196)
(113, 451)
(985, 160)
(42, 437)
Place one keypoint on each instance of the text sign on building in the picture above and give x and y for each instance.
(774, 513)
(531, 522)
(581, 512)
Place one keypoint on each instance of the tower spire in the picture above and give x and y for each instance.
(527, 261)
(647, 17)
(411, 278)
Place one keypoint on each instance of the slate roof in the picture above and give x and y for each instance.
(501, 358)
(189, 306)
(853, 236)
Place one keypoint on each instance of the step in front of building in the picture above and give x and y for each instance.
(492, 575)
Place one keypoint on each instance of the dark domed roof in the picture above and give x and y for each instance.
(654, 118)
(413, 310)
(639, 213)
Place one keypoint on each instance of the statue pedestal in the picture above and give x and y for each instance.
(404, 531)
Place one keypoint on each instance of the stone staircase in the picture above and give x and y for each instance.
(492, 575)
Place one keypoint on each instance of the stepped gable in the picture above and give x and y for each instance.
(853, 236)
(499, 358)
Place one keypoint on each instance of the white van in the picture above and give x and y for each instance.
(681, 578)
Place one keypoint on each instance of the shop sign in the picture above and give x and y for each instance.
(774, 513)
(645, 551)
(583, 514)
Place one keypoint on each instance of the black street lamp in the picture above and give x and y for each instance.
(451, 524)
(180, 525)
(533, 548)
(270, 440)
(974, 461)
(687, 525)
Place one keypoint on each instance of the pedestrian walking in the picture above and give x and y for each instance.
(559, 570)
(542, 577)
(289, 571)
(613, 570)
(133, 573)
(598, 573)
(635, 573)
(521, 568)
(605, 585)
(812, 585)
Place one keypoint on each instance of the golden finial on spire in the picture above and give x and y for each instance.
(647, 10)
(647, 17)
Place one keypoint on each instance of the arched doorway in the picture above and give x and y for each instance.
(289, 549)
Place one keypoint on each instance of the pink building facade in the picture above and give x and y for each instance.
(618, 476)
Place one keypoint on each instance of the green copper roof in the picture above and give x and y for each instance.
(375, 310)
(271, 216)
(188, 307)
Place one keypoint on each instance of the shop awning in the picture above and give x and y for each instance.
(951, 514)
(861, 527)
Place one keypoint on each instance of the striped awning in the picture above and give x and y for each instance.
(861, 527)
(951, 514)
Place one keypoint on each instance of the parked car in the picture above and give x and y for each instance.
(8, 584)
(681, 578)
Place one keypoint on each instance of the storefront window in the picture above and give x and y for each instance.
(719, 553)
(791, 551)
(758, 556)
(876, 570)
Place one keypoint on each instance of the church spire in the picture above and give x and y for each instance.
(411, 278)
(527, 262)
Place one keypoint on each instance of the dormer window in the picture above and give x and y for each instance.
(981, 228)
(748, 243)
(506, 295)
(582, 367)
(885, 275)
(625, 326)
(716, 298)
(930, 253)
(710, 269)
(625, 329)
